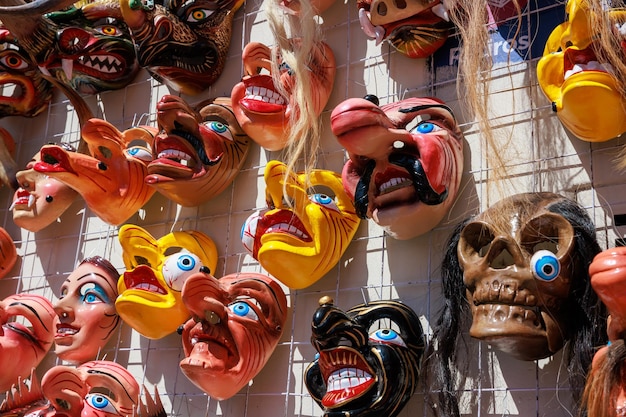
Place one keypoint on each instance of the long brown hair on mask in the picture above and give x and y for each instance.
(605, 382)
(471, 19)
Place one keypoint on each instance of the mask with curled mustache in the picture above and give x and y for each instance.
(111, 178)
(198, 152)
(96, 388)
(31, 93)
(369, 358)
(236, 323)
(406, 161)
(183, 44)
(26, 335)
(299, 243)
(416, 28)
(93, 50)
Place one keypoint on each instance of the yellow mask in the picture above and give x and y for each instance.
(150, 289)
(301, 243)
(584, 95)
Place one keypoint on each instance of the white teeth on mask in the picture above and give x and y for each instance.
(264, 94)
(441, 11)
(621, 28)
(194, 340)
(44, 71)
(31, 200)
(370, 30)
(68, 67)
(589, 66)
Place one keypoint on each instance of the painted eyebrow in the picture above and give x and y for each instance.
(95, 371)
(98, 275)
(426, 107)
(267, 285)
(19, 303)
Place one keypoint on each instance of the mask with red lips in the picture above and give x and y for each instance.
(406, 161)
(301, 242)
(263, 113)
(26, 335)
(373, 374)
(198, 152)
(150, 290)
(236, 323)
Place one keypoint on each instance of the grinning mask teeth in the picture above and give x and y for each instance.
(369, 356)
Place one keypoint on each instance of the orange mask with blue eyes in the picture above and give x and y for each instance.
(198, 152)
(150, 289)
(111, 178)
(300, 243)
(584, 95)
(236, 323)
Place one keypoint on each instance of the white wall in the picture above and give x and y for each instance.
(543, 158)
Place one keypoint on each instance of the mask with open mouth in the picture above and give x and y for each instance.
(40, 199)
(406, 161)
(150, 290)
(183, 44)
(198, 152)
(86, 317)
(583, 90)
(369, 358)
(30, 92)
(416, 28)
(111, 178)
(26, 335)
(263, 112)
(96, 388)
(236, 323)
(299, 241)
(93, 51)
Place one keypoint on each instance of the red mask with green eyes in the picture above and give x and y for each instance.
(406, 161)
(94, 389)
(236, 323)
(30, 92)
(369, 358)
(86, 316)
(150, 289)
(299, 243)
(198, 151)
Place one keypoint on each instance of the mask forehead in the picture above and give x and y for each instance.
(310, 235)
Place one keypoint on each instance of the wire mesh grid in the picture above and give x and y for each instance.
(541, 156)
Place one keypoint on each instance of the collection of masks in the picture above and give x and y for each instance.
(516, 276)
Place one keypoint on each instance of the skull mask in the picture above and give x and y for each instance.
(517, 266)
(368, 361)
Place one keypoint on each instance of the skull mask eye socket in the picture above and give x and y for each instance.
(475, 242)
(549, 232)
